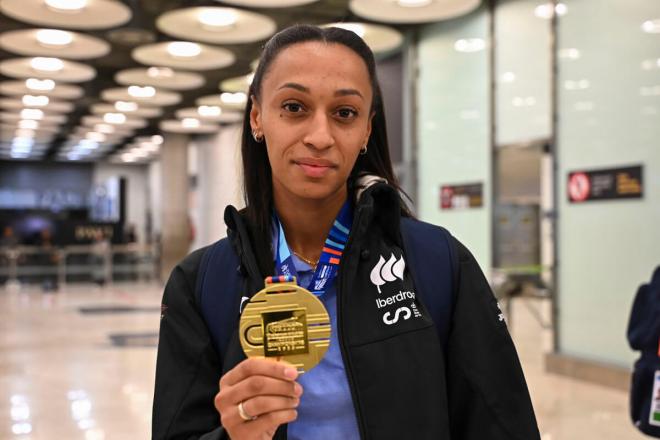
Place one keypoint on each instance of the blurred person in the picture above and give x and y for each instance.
(644, 336)
(315, 155)
(8, 239)
(47, 259)
(100, 258)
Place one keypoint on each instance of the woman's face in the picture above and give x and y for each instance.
(314, 112)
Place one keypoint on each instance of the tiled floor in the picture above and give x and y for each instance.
(61, 377)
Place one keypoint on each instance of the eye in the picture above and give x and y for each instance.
(293, 107)
(346, 113)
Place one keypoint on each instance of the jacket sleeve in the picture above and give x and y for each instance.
(188, 367)
(488, 396)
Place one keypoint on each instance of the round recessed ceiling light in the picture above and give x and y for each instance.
(383, 40)
(160, 54)
(217, 18)
(233, 98)
(126, 106)
(39, 84)
(651, 26)
(142, 92)
(114, 118)
(216, 25)
(190, 123)
(54, 37)
(66, 5)
(269, 3)
(30, 124)
(160, 97)
(412, 11)
(68, 14)
(414, 3)
(209, 110)
(183, 49)
(47, 64)
(32, 113)
(160, 72)
(35, 101)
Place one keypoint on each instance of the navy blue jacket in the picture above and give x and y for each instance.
(404, 383)
(644, 336)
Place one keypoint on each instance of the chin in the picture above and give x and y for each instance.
(316, 190)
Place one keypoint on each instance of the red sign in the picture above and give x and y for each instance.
(579, 187)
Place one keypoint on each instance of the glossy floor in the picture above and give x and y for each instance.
(79, 364)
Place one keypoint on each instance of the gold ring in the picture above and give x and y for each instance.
(245, 416)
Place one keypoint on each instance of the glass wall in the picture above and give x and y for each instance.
(453, 126)
(609, 117)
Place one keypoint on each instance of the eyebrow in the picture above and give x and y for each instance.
(301, 88)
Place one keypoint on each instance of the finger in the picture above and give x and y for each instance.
(260, 405)
(261, 367)
(269, 421)
(262, 386)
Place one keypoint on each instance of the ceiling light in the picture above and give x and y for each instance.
(24, 132)
(233, 98)
(209, 110)
(651, 26)
(29, 124)
(356, 28)
(127, 157)
(22, 142)
(142, 92)
(88, 144)
(104, 128)
(547, 10)
(21, 429)
(73, 155)
(54, 37)
(31, 113)
(183, 49)
(190, 123)
(138, 152)
(508, 77)
(39, 84)
(160, 72)
(47, 64)
(149, 147)
(96, 137)
(414, 3)
(569, 53)
(468, 45)
(157, 139)
(114, 118)
(126, 106)
(35, 101)
(217, 17)
(67, 5)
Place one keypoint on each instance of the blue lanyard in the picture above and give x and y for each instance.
(328, 264)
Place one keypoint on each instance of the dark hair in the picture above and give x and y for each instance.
(257, 174)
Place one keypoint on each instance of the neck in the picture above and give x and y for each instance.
(307, 222)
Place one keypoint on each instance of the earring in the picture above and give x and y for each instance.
(257, 137)
(363, 150)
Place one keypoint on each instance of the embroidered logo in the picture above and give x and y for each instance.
(387, 271)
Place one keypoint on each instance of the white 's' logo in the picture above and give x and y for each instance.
(386, 271)
(389, 321)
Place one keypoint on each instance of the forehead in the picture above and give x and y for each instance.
(320, 63)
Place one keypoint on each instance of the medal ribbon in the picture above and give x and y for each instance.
(328, 265)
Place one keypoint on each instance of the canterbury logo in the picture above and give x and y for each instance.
(386, 271)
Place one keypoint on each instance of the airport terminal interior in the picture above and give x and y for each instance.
(528, 128)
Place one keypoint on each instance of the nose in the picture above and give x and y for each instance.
(319, 134)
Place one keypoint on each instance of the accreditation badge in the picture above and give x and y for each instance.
(286, 322)
(654, 415)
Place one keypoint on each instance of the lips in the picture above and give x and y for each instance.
(315, 168)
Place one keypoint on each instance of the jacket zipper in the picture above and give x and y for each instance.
(340, 332)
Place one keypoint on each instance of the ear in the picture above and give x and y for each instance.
(255, 114)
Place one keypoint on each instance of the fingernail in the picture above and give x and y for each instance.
(297, 389)
(290, 373)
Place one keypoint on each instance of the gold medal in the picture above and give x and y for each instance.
(286, 322)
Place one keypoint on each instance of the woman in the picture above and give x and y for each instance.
(313, 134)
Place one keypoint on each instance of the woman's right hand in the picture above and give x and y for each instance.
(267, 390)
